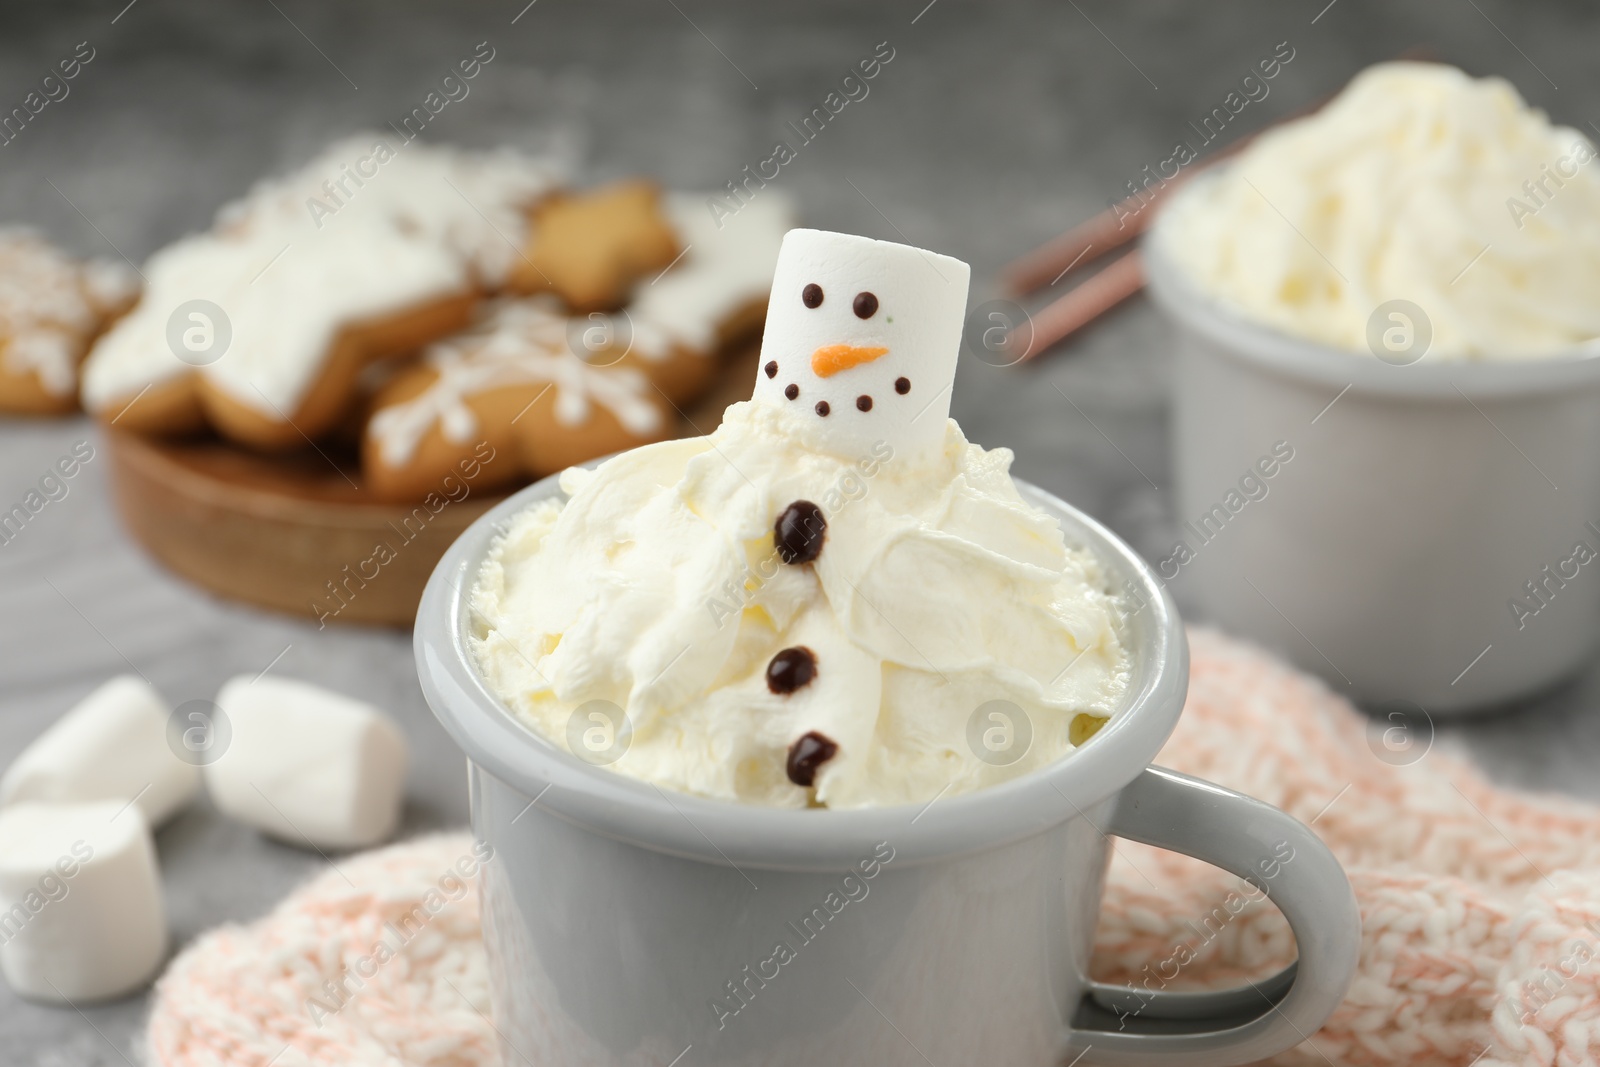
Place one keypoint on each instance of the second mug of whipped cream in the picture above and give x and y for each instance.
(1387, 391)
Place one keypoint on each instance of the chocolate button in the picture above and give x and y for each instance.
(799, 532)
(808, 754)
(791, 669)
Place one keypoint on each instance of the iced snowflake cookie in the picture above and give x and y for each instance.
(262, 326)
(515, 388)
(544, 388)
(51, 308)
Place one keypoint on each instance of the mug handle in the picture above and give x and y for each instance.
(1117, 1025)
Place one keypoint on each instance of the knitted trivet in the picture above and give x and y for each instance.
(1481, 913)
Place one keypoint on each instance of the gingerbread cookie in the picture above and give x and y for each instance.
(677, 322)
(550, 390)
(516, 384)
(589, 248)
(262, 326)
(51, 307)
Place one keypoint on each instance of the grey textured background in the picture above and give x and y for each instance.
(995, 126)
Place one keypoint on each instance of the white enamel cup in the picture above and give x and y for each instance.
(1423, 504)
(630, 926)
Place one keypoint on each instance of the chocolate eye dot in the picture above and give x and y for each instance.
(823, 408)
(902, 386)
(866, 305)
(811, 295)
(864, 403)
(772, 369)
(791, 391)
(807, 755)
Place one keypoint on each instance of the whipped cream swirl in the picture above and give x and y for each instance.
(1416, 183)
(657, 586)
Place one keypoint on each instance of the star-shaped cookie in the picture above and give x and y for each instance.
(590, 248)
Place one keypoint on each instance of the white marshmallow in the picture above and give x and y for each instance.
(308, 766)
(83, 919)
(921, 300)
(112, 745)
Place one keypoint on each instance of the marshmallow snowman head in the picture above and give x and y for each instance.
(861, 340)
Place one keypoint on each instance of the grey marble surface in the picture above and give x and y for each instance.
(994, 126)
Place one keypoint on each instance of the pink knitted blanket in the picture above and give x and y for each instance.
(1481, 913)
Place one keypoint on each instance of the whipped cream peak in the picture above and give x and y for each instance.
(848, 675)
(861, 341)
(1417, 183)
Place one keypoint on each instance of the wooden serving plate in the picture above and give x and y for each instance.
(297, 533)
(283, 532)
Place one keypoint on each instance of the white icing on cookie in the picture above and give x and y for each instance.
(371, 227)
(720, 271)
(516, 342)
(50, 304)
(527, 340)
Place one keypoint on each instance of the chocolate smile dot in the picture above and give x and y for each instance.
(902, 386)
(799, 532)
(808, 754)
(811, 295)
(823, 408)
(791, 669)
(865, 305)
(791, 391)
(864, 403)
(772, 369)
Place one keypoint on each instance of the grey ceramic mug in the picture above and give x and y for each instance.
(1426, 548)
(629, 926)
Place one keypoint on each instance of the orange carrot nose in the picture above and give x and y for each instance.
(831, 359)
